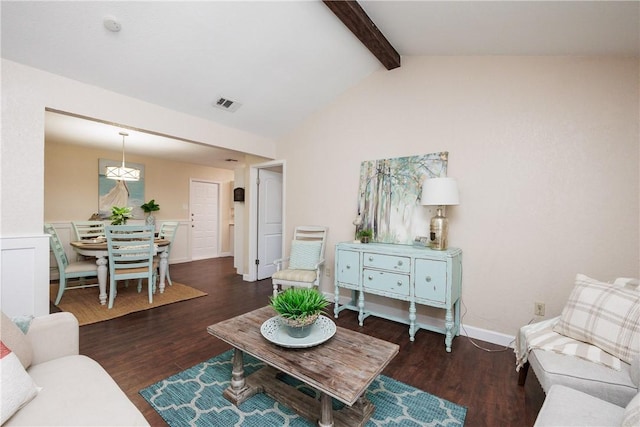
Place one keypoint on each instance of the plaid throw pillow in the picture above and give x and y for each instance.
(604, 315)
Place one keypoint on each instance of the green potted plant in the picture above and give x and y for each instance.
(365, 235)
(148, 208)
(119, 216)
(299, 308)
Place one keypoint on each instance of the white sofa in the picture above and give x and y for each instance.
(616, 387)
(72, 389)
(581, 393)
(586, 385)
(565, 407)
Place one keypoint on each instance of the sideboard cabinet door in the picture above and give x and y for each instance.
(431, 281)
(348, 268)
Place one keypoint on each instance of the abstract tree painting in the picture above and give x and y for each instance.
(389, 195)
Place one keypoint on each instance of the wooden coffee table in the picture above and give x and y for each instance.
(342, 367)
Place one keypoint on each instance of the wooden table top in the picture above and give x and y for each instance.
(342, 367)
(88, 244)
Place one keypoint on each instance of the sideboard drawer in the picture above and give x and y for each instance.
(387, 262)
(385, 282)
(431, 280)
(348, 267)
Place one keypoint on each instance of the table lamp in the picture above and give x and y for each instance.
(439, 192)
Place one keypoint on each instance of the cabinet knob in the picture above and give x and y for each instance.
(370, 258)
(348, 266)
(370, 277)
(428, 278)
(399, 282)
(399, 262)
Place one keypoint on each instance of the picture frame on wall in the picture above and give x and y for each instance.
(119, 193)
(389, 195)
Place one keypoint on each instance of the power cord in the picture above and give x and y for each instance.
(475, 344)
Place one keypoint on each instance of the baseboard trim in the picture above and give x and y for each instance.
(486, 335)
(465, 330)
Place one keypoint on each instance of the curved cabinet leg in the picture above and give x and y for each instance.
(448, 324)
(361, 308)
(412, 321)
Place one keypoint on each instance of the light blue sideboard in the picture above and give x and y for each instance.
(414, 274)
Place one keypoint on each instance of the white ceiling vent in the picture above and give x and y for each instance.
(226, 104)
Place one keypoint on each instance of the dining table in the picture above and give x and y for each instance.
(98, 249)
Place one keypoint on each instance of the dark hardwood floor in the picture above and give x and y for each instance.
(143, 348)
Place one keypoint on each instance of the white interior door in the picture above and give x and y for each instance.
(205, 223)
(269, 221)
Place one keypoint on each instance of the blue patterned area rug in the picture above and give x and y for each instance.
(194, 398)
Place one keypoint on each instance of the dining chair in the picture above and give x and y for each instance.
(305, 261)
(131, 249)
(168, 232)
(69, 270)
(88, 229)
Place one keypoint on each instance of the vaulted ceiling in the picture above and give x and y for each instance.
(280, 61)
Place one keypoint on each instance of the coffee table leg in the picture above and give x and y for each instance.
(326, 418)
(238, 391)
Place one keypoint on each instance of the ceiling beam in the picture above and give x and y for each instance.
(357, 20)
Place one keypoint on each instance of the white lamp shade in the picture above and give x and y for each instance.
(122, 173)
(440, 192)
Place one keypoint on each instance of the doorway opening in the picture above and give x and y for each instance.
(266, 218)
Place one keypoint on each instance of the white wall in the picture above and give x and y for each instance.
(26, 92)
(546, 153)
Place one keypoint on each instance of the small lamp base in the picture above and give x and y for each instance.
(438, 231)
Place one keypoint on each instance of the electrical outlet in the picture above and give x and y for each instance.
(327, 272)
(538, 308)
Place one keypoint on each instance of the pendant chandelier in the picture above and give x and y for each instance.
(122, 173)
